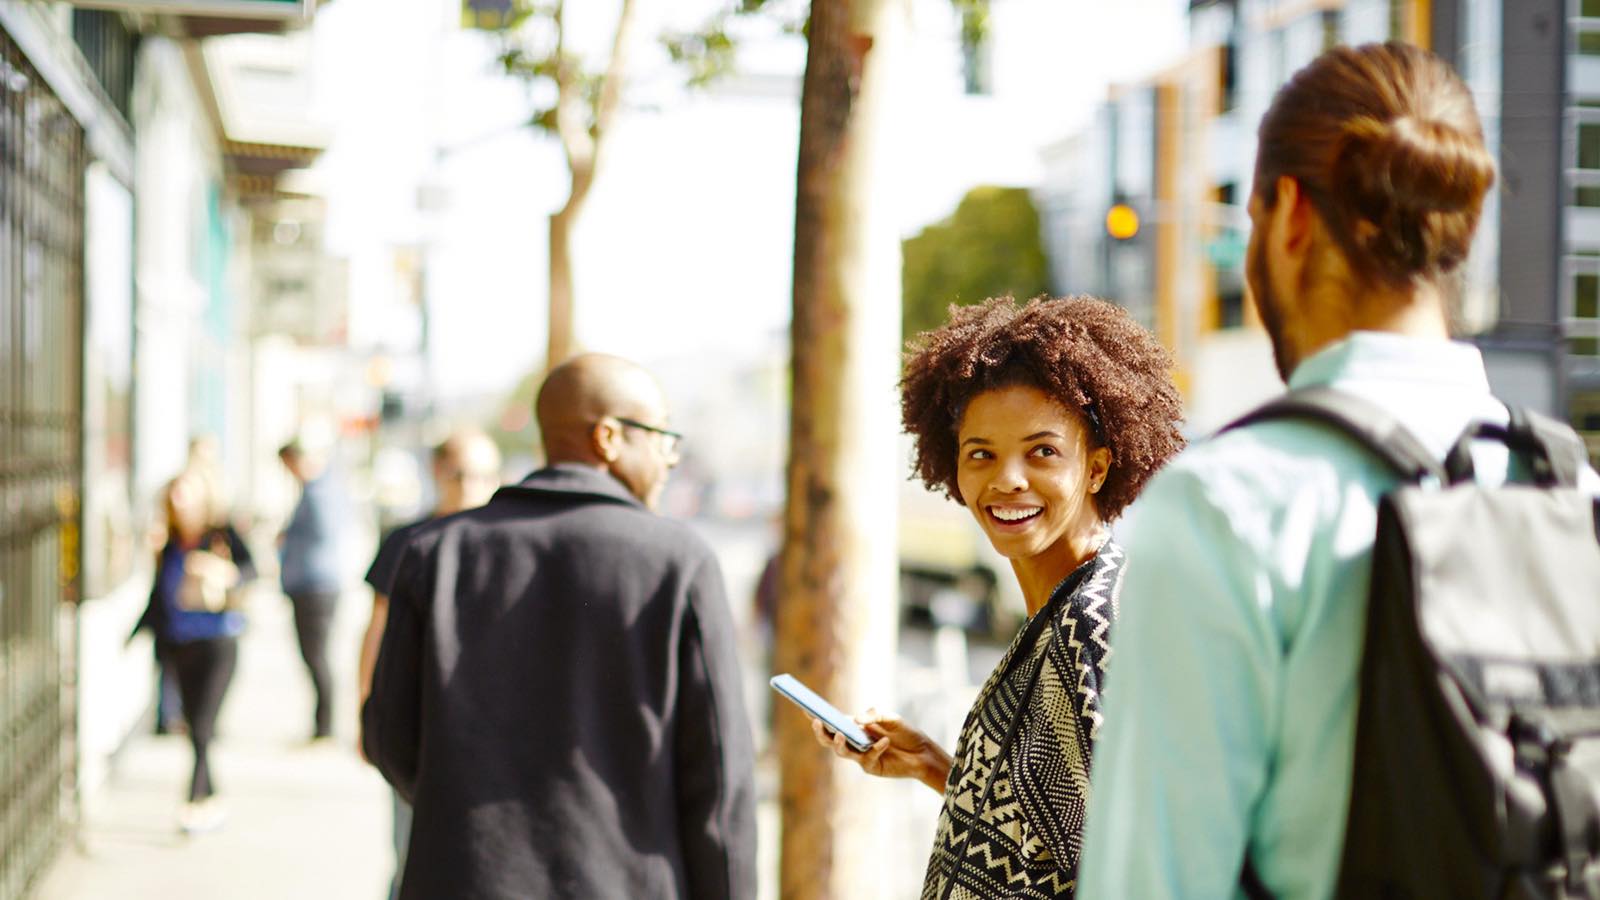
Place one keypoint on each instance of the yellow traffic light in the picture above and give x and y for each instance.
(1122, 222)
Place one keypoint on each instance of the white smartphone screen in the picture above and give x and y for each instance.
(818, 708)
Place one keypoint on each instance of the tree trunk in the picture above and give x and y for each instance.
(838, 607)
(560, 343)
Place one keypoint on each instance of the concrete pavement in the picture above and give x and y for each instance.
(314, 821)
(304, 820)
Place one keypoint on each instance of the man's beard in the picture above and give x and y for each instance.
(1268, 307)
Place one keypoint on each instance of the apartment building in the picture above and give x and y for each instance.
(1177, 150)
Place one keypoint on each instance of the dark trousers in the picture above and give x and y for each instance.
(169, 706)
(204, 670)
(313, 619)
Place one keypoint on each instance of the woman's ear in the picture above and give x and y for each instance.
(1099, 468)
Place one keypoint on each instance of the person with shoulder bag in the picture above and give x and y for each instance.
(194, 615)
(1367, 662)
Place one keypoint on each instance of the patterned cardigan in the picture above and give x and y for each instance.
(1012, 822)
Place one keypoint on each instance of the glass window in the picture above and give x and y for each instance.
(1330, 29)
(1589, 43)
(1588, 196)
(1229, 77)
(1586, 295)
(1589, 145)
(1591, 9)
(1584, 346)
(1230, 309)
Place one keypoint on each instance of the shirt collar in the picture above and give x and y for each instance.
(1383, 356)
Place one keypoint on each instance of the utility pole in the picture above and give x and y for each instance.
(838, 609)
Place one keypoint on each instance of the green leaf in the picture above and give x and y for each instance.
(706, 55)
(544, 120)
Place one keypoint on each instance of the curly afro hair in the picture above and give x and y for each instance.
(1087, 353)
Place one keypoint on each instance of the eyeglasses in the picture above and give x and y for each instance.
(673, 438)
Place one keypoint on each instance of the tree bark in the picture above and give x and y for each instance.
(838, 608)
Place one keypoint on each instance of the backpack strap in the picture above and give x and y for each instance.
(1367, 423)
(1554, 452)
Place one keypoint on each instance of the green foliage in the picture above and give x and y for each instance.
(974, 21)
(530, 52)
(989, 247)
(705, 55)
(530, 43)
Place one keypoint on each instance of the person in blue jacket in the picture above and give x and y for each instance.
(196, 628)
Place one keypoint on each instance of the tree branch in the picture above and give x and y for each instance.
(587, 141)
(570, 116)
(616, 72)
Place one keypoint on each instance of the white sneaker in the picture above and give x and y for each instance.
(202, 816)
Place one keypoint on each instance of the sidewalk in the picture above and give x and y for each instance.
(314, 821)
(304, 821)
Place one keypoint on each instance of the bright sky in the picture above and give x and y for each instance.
(685, 247)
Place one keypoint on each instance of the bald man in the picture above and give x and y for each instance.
(557, 691)
(466, 470)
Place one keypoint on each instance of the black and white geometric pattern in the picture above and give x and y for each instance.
(1012, 822)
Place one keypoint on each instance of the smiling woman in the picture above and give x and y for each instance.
(1045, 420)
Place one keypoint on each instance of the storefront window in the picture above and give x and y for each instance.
(110, 536)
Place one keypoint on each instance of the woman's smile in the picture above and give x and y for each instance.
(1011, 518)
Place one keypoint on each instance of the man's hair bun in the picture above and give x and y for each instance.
(1385, 141)
(1410, 191)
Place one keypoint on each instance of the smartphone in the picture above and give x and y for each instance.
(820, 709)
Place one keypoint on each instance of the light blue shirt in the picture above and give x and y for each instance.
(1231, 692)
(310, 558)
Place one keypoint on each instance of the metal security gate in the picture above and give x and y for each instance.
(41, 339)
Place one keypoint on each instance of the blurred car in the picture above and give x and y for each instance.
(949, 572)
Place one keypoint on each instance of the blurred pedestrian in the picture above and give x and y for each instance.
(466, 471)
(557, 690)
(1227, 752)
(202, 463)
(309, 552)
(199, 572)
(1045, 421)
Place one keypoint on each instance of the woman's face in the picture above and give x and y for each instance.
(186, 504)
(1028, 470)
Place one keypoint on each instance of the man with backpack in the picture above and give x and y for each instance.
(1253, 706)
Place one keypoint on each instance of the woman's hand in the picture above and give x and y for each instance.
(898, 750)
(211, 567)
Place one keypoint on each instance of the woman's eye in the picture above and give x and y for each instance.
(1045, 451)
(980, 454)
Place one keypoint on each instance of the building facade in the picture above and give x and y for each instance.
(122, 321)
(1178, 149)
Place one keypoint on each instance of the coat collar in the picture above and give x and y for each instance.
(570, 480)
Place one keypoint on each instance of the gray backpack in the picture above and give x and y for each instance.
(1477, 758)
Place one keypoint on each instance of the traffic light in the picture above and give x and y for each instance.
(1122, 222)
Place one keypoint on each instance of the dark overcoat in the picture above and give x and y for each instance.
(558, 695)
